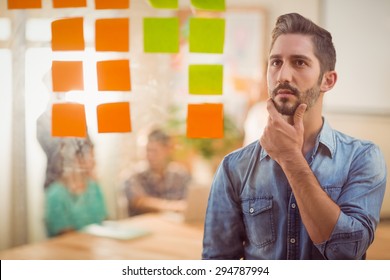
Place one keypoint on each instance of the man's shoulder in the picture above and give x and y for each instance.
(140, 170)
(361, 150)
(244, 155)
(345, 139)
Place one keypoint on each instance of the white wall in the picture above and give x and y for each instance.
(275, 8)
(361, 34)
(5, 147)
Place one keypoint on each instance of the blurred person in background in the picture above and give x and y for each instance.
(162, 184)
(75, 200)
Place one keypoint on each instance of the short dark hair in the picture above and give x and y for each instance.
(158, 135)
(322, 39)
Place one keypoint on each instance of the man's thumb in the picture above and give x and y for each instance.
(299, 112)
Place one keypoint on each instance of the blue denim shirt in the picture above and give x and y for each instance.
(252, 212)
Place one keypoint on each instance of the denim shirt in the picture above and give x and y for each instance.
(252, 212)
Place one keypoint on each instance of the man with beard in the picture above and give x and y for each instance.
(304, 190)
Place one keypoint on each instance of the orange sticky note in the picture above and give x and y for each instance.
(68, 120)
(24, 4)
(113, 75)
(114, 117)
(69, 3)
(67, 75)
(112, 4)
(112, 34)
(205, 121)
(67, 34)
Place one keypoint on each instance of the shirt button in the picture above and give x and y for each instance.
(251, 210)
(292, 240)
(293, 206)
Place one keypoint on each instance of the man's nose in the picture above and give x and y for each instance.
(284, 74)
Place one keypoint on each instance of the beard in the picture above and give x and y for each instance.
(286, 107)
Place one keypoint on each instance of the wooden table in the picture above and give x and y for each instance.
(169, 238)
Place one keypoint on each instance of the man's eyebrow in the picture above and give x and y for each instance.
(275, 56)
(301, 56)
(294, 56)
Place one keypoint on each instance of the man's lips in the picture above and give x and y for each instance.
(285, 93)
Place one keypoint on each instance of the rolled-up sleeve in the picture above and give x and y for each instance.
(360, 202)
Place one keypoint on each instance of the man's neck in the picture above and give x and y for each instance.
(311, 133)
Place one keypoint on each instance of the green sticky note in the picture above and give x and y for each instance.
(205, 79)
(207, 35)
(164, 4)
(210, 5)
(161, 35)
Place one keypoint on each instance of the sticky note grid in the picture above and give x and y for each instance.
(111, 35)
(160, 35)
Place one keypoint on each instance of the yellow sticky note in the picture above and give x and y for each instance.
(207, 35)
(24, 4)
(205, 79)
(114, 75)
(114, 117)
(67, 75)
(205, 121)
(161, 35)
(112, 34)
(112, 4)
(67, 34)
(164, 4)
(68, 120)
(210, 5)
(69, 3)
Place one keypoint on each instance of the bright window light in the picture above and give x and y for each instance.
(5, 29)
(38, 30)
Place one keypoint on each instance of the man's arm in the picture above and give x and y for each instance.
(224, 231)
(318, 211)
(284, 143)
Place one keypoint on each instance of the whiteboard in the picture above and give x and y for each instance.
(361, 34)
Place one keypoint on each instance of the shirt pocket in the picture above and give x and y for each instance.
(258, 220)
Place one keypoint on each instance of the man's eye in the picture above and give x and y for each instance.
(300, 63)
(276, 63)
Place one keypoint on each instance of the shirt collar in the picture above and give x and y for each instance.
(326, 137)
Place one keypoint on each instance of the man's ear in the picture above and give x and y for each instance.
(328, 81)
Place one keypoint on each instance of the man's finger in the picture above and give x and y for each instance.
(299, 113)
